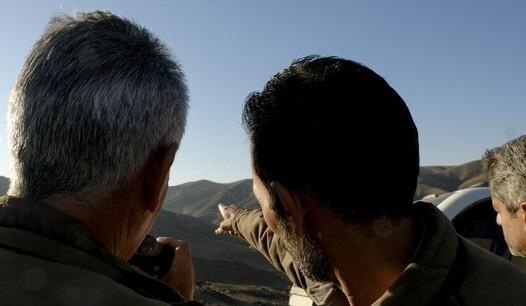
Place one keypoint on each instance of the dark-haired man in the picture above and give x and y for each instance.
(323, 133)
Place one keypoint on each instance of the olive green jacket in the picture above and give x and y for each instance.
(446, 269)
(48, 258)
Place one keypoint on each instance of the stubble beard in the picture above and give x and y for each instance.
(306, 252)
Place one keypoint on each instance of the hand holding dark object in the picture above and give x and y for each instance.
(153, 257)
(228, 213)
(181, 276)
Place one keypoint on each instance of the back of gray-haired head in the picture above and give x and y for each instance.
(96, 96)
(505, 169)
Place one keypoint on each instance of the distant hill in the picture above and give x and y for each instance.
(440, 179)
(228, 271)
(200, 199)
(222, 281)
(206, 244)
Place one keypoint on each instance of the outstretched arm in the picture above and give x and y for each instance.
(250, 225)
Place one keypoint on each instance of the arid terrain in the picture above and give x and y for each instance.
(228, 271)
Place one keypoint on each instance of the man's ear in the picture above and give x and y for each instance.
(155, 175)
(522, 214)
(291, 204)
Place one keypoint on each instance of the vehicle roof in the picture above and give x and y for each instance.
(453, 203)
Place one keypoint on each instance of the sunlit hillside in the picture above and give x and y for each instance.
(228, 271)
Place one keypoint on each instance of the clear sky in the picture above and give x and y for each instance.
(459, 65)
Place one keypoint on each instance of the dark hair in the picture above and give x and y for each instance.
(334, 129)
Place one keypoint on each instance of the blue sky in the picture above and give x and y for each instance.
(459, 65)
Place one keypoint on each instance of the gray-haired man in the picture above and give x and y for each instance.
(505, 168)
(96, 117)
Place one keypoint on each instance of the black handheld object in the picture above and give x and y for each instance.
(153, 257)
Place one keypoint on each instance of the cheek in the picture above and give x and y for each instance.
(511, 230)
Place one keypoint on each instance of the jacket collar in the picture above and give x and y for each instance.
(42, 220)
(39, 219)
(424, 278)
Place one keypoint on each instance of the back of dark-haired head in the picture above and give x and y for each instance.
(334, 129)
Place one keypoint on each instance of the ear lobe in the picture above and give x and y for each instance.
(155, 174)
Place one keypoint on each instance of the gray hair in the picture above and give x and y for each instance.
(95, 98)
(505, 168)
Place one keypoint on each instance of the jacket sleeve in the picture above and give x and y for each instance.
(252, 227)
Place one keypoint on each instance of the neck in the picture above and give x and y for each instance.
(367, 264)
(110, 221)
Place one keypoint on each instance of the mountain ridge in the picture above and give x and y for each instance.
(207, 194)
(228, 271)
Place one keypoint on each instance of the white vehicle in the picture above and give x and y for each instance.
(471, 213)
